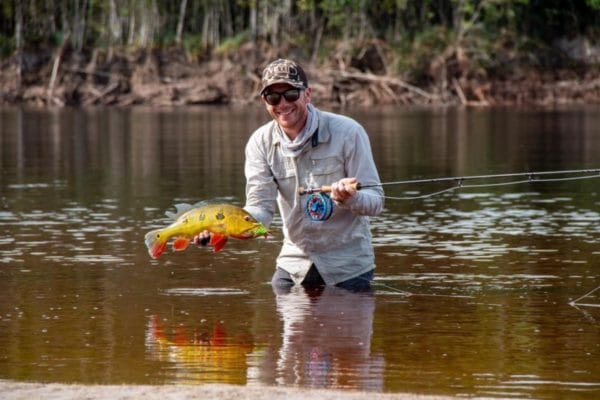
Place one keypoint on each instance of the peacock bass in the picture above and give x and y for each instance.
(221, 220)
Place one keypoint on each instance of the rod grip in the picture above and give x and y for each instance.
(324, 189)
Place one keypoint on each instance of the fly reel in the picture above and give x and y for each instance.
(319, 206)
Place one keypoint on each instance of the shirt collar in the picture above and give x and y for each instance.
(313, 121)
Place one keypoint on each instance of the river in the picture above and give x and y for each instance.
(473, 291)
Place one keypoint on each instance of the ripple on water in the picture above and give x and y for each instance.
(204, 292)
(97, 258)
(462, 281)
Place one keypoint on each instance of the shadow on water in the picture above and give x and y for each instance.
(472, 292)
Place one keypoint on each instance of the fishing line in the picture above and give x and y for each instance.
(575, 303)
(532, 177)
(411, 294)
(482, 185)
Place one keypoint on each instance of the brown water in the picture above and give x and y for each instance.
(472, 287)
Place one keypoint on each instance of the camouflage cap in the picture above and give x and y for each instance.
(283, 71)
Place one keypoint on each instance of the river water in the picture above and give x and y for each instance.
(472, 292)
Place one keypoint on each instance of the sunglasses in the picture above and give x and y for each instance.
(274, 98)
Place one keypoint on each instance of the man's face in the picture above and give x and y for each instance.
(291, 116)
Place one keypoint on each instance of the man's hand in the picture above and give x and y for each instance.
(343, 189)
(201, 239)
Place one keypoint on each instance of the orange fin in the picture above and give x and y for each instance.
(218, 242)
(218, 336)
(181, 243)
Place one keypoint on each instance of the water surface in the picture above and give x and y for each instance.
(472, 287)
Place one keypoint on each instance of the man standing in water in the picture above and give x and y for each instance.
(305, 147)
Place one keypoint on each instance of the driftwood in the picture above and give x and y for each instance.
(57, 59)
(387, 81)
(167, 78)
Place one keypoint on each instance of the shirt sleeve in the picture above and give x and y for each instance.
(261, 188)
(360, 164)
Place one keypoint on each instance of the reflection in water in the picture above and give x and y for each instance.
(199, 356)
(326, 339)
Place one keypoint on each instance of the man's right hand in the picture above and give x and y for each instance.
(202, 239)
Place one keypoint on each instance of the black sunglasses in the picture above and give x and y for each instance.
(274, 98)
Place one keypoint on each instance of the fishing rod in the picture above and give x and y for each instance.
(531, 177)
(319, 205)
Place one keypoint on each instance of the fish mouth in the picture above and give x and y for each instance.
(255, 232)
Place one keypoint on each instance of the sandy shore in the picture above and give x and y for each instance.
(32, 391)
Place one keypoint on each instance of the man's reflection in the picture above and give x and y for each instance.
(327, 339)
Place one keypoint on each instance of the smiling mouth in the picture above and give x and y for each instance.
(285, 113)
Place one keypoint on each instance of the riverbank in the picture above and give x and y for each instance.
(27, 391)
(164, 78)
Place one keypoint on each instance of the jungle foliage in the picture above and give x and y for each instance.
(315, 26)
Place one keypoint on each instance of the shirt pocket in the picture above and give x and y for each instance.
(284, 175)
(326, 170)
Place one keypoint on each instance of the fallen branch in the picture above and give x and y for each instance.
(387, 80)
(459, 92)
(97, 95)
(56, 64)
(96, 73)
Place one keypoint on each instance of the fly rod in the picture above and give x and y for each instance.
(543, 176)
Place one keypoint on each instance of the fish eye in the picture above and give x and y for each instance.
(246, 218)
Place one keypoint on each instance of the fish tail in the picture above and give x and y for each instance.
(156, 243)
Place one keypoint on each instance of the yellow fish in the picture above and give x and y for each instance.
(221, 220)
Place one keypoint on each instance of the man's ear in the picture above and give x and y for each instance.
(308, 93)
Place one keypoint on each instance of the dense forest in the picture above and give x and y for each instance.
(122, 52)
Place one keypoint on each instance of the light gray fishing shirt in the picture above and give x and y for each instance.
(340, 247)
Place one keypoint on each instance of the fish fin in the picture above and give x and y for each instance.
(181, 243)
(157, 329)
(218, 336)
(218, 242)
(156, 243)
(180, 336)
(203, 203)
(180, 209)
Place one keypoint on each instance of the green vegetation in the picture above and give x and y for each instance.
(416, 30)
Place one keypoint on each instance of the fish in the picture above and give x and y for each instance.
(221, 220)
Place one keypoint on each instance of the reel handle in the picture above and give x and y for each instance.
(324, 189)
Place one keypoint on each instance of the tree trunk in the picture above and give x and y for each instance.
(51, 18)
(227, 20)
(19, 40)
(148, 23)
(79, 19)
(131, 23)
(182, 8)
(253, 20)
(64, 17)
(458, 15)
(116, 31)
(317, 42)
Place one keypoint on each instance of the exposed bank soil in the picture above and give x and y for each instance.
(27, 391)
(63, 77)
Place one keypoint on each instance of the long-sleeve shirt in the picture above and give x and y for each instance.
(339, 247)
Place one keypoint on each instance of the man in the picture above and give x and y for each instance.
(305, 147)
